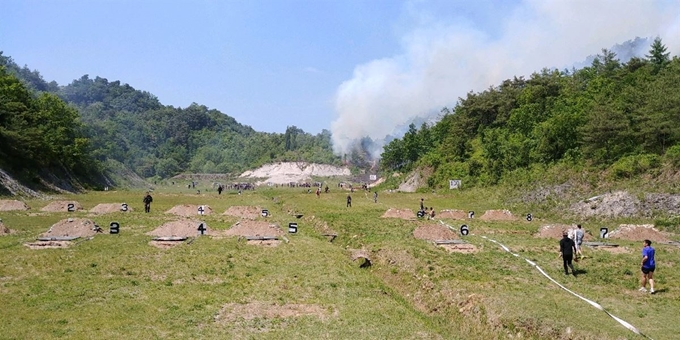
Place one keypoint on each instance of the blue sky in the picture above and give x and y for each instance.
(269, 64)
(354, 67)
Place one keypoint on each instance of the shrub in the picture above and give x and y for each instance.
(629, 166)
(673, 155)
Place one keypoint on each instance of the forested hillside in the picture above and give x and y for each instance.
(132, 127)
(42, 137)
(622, 118)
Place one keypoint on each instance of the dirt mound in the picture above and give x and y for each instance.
(11, 205)
(235, 312)
(181, 228)
(254, 228)
(638, 232)
(406, 214)
(244, 212)
(71, 227)
(59, 206)
(434, 232)
(555, 231)
(453, 214)
(498, 215)
(106, 208)
(287, 172)
(189, 210)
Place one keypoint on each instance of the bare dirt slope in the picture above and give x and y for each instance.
(286, 172)
(623, 204)
(10, 186)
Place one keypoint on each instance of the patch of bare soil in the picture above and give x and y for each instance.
(398, 257)
(614, 250)
(165, 244)
(265, 243)
(189, 210)
(59, 206)
(107, 208)
(464, 248)
(434, 232)
(244, 212)
(234, 312)
(12, 205)
(639, 232)
(453, 214)
(406, 214)
(4, 230)
(73, 227)
(498, 215)
(254, 228)
(555, 231)
(48, 244)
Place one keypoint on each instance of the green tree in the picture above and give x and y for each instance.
(658, 55)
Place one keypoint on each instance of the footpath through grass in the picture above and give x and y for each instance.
(118, 286)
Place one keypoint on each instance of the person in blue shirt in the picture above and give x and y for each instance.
(648, 265)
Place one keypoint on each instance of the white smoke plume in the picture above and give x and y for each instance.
(441, 62)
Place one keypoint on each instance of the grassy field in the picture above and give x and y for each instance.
(118, 286)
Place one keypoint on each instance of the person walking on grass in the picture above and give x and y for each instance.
(147, 202)
(375, 196)
(578, 240)
(567, 250)
(648, 265)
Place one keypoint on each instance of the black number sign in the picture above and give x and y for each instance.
(464, 230)
(471, 214)
(603, 232)
(420, 213)
(265, 212)
(71, 207)
(201, 210)
(124, 207)
(201, 229)
(529, 217)
(292, 227)
(114, 228)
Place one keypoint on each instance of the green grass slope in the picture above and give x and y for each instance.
(118, 286)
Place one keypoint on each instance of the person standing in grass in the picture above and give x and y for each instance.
(567, 250)
(578, 240)
(147, 202)
(349, 201)
(648, 266)
(375, 196)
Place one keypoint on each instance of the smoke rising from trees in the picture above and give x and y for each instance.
(442, 61)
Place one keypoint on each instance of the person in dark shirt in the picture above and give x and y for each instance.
(147, 202)
(349, 201)
(567, 250)
(648, 266)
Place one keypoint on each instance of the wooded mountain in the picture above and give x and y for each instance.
(623, 118)
(117, 122)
